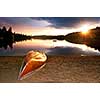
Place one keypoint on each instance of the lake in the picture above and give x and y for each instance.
(50, 47)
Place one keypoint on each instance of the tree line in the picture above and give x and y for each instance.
(7, 37)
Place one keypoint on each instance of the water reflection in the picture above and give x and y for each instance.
(5, 43)
(67, 48)
(71, 51)
(51, 47)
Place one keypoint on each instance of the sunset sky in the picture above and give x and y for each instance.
(49, 25)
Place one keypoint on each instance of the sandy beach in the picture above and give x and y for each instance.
(64, 69)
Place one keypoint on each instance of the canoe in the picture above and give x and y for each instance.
(33, 61)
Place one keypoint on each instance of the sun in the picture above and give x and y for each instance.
(84, 29)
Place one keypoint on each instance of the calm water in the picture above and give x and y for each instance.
(50, 47)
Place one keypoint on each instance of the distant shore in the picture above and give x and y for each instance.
(67, 69)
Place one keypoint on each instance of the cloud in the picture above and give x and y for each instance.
(56, 22)
(23, 24)
(70, 51)
(70, 22)
(28, 24)
(23, 21)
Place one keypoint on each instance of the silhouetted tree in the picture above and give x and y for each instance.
(4, 29)
(10, 29)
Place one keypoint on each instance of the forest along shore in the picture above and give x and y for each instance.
(57, 69)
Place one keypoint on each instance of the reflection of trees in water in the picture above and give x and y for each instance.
(5, 43)
(7, 38)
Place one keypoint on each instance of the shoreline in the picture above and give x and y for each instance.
(58, 69)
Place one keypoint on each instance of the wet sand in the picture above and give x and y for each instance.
(64, 69)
